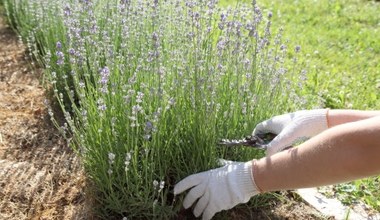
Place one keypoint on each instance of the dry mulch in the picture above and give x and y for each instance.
(40, 177)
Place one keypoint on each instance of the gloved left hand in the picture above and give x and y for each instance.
(218, 189)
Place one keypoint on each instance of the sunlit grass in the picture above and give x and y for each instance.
(341, 42)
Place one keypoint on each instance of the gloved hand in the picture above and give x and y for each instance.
(291, 127)
(218, 189)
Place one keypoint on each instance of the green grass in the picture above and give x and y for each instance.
(340, 41)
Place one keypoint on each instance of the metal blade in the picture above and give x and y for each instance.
(258, 141)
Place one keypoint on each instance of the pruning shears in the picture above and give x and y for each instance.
(258, 141)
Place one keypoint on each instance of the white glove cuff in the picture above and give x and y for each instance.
(245, 183)
(318, 119)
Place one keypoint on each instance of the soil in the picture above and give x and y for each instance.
(40, 177)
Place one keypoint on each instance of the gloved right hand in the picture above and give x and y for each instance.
(291, 127)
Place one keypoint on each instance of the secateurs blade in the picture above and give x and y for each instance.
(257, 141)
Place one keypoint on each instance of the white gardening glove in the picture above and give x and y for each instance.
(218, 189)
(291, 127)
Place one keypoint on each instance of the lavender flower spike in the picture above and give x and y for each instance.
(298, 48)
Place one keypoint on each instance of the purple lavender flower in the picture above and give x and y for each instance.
(171, 101)
(58, 45)
(104, 77)
(71, 51)
(298, 48)
(60, 58)
(94, 28)
(221, 45)
(221, 25)
(139, 97)
(282, 71)
(155, 4)
(155, 36)
(148, 129)
(258, 14)
(67, 11)
(84, 113)
(102, 107)
(148, 137)
(81, 84)
(270, 15)
(190, 4)
(148, 126)
(136, 109)
(223, 17)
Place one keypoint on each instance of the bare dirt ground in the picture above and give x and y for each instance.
(40, 177)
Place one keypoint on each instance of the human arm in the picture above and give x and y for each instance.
(306, 123)
(343, 153)
(341, 116)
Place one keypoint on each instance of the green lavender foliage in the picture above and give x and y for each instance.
(147, 88)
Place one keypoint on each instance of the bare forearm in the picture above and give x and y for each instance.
(343, 153)
(341, 116)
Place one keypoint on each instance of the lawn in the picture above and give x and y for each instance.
(340, 40)
(341, 44)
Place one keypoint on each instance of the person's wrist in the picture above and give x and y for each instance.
(245, 182)
(253, 172)
(318, 118)
(327, 117)
(322, 117)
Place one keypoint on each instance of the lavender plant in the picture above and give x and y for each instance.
(147, 88)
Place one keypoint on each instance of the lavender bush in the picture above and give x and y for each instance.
(147, 88)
